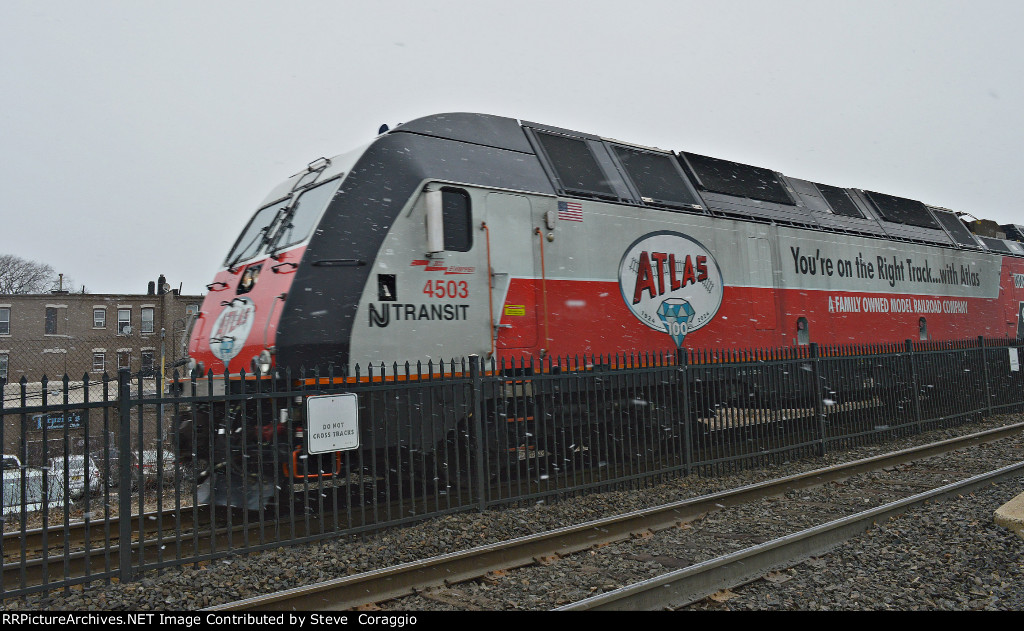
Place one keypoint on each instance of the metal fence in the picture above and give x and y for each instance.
(217, 466)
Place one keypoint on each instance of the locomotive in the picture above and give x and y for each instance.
(462, 234)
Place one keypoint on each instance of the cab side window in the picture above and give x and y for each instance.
(458, 220)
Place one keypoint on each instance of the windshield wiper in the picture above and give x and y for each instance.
(263, 237)
(283, 225)
(243, 250)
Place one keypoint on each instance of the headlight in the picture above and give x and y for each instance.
(261, 363)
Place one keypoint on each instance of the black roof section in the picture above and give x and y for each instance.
(657, 177)
(996, 245)
(575, 165)
(732, 178)
(584, 165)
(479, 129)
(839, 201)
(955, 228)
(1013, 231)
(902, 210)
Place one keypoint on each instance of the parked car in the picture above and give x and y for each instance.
(11, 462)
(76, 475)
(148, 470)
(11, 482)
(107, 462)
(13, 476)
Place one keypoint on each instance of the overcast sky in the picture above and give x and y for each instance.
(136, 138)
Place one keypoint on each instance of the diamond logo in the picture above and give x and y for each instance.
(677, 314)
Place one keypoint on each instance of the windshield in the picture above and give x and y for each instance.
(299, 221)
(254, 236)
(283, 223)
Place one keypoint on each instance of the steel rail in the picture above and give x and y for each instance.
(402, 580)
(32, 539)
(691, 584)
(189, 543)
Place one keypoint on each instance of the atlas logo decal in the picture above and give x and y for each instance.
(231, 328)
(671, 283)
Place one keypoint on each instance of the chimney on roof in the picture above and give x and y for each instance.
(161, 285)
(60, 285)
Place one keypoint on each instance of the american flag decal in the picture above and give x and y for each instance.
(570, 211)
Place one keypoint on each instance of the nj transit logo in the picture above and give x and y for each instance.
(671, 283)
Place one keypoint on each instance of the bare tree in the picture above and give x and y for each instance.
(18, 276)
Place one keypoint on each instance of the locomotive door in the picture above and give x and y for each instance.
(1013, 303)
(514, 292)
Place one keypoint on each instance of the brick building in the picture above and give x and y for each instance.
(91, 334)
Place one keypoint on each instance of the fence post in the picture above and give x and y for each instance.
(478, 430)
(984, 364)
(909, 345)
(124, 491)
(683, 374)
(819, 409)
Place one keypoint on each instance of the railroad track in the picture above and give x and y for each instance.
(82, 551)
(495, 560)
(78, 540)
(687, 586)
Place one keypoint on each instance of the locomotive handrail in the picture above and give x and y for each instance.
(277, 271)
(339, 263)
(266, 327)
(543, 292)
(490, 289)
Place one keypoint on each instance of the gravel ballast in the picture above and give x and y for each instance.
(948, 555)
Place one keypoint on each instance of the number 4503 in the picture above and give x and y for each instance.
(446, 289)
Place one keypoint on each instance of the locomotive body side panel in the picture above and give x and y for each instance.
(847, 289)
(544, 274)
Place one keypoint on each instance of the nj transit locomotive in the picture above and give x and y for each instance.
(466, 234)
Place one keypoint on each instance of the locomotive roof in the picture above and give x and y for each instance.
(695, 183)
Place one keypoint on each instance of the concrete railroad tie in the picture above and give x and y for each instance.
(1011, 515)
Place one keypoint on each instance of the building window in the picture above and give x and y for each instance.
(99, 318)
(99, 362)
(147, 363)
(4, 362)
(51, 320)
(124, 321)
(124, 360)
(147, 320)
(5, 321)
